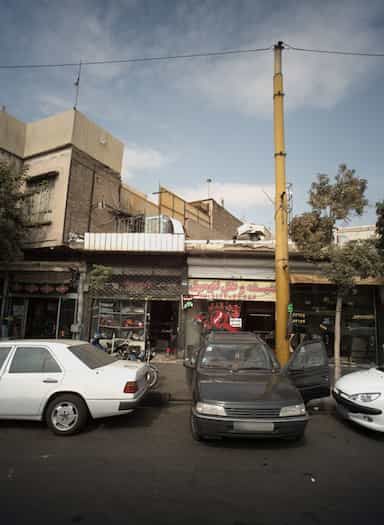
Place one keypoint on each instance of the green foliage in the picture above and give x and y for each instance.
(342, 199)
(99, 276)
(313, 231)
(12, 226)
(353, 260)
(380, 226)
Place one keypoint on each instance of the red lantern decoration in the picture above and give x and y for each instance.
(31, 288)
(46, 288)
(62, 288)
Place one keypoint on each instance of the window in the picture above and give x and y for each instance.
(91, 356)
(4, 351)
(33, 360)
(310, 355)
(241, 356)
(38, 199)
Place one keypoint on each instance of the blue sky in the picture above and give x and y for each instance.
(188, 120)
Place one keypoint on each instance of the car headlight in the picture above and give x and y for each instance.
(365, 397)
(210, 409)
(293, 410)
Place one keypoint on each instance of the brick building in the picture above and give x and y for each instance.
(73, 187)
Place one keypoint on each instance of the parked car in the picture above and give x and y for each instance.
(359, 397)
(65, 382)
(239, 389)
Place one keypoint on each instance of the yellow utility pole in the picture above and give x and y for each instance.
(281, 214)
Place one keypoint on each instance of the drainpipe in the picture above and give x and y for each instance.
(3, 302)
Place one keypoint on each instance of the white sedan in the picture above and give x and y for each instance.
(360, 397)
(63, 382)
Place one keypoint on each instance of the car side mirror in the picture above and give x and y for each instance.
(190, 356)
(190, 362)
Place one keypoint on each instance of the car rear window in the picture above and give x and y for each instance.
(91, 356)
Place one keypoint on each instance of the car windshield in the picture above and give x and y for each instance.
(245, 356)
(91, 356)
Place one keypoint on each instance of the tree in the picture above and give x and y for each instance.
(12, 225)
(313, 233)
(380, 226)
(99, 276)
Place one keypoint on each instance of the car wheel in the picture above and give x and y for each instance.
(194, 431)
(66, 414)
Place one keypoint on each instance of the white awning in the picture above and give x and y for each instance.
(134, 242)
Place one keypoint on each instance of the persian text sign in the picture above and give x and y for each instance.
(232, 290)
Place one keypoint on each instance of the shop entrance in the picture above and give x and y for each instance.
(259, 317)
(41, 318)
(163, 324)
(49, 317)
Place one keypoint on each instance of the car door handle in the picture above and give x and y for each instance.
(50, 380)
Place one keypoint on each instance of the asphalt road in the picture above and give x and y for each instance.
(145, 468)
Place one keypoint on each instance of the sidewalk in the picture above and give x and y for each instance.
(173, 380)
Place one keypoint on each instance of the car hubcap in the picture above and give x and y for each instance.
(64, 416)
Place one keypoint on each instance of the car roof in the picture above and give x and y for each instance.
(232, 337)
(67, 342)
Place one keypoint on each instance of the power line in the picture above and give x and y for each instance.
(136, 59)
(185, 56)
(333, 52)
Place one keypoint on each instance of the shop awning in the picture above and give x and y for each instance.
(302, 278)
(134, 242)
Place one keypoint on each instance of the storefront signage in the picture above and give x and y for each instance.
(236, 322)
(187, 303)
(298, 318)
(232, 290)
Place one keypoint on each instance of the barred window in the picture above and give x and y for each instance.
(38, 200)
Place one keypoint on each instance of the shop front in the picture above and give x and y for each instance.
(40, 305)
(231, 305)
(314, 313)
(142, 310)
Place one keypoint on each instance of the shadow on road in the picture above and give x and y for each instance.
(254, 444)
(142, 417)
(10, 424)
(360, 430)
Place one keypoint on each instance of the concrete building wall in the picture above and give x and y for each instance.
(355, 233)
(51, 234)
(49, 134)
(72, 127)
(12, 135)
(97, 142)
(11, 159)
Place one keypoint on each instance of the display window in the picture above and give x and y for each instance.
(314, 314)
(120, 319)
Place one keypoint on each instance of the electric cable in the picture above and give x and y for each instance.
(333, 52)
(137, 59)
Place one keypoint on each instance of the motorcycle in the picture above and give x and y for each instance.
(132, 353)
